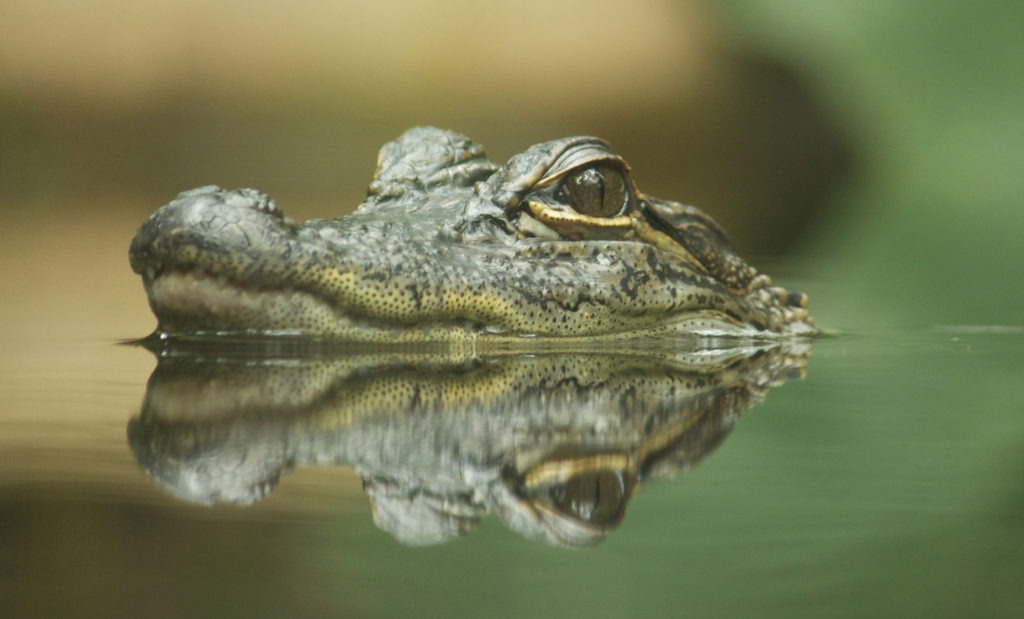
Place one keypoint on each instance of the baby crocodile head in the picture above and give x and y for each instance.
(557, 242)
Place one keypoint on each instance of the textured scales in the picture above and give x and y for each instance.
(451, 246)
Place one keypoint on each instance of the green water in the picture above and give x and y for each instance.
(885, 482)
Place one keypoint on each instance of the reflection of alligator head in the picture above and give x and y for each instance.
(554, 443)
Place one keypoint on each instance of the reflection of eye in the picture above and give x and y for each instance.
(599, 497)
(598, 191)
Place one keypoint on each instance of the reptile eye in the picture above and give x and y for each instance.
(598, 191)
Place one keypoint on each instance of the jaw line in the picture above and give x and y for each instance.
(216, 304)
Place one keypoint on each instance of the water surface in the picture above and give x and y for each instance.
(877, 472)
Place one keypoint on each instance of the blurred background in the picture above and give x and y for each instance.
(138, 100)
(869, 152)
(895, 128)
(863, 133)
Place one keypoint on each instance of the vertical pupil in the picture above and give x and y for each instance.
(589, 186)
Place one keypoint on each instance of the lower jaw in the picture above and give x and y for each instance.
(199, 304)
(191, 304)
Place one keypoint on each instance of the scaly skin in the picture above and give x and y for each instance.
(449, 246)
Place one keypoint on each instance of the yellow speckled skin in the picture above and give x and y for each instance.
(451, 246)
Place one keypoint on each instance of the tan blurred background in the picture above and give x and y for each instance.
(122, 104)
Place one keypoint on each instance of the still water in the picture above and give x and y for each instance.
(868, 473)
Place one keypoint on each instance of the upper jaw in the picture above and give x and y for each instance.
(210, 222)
